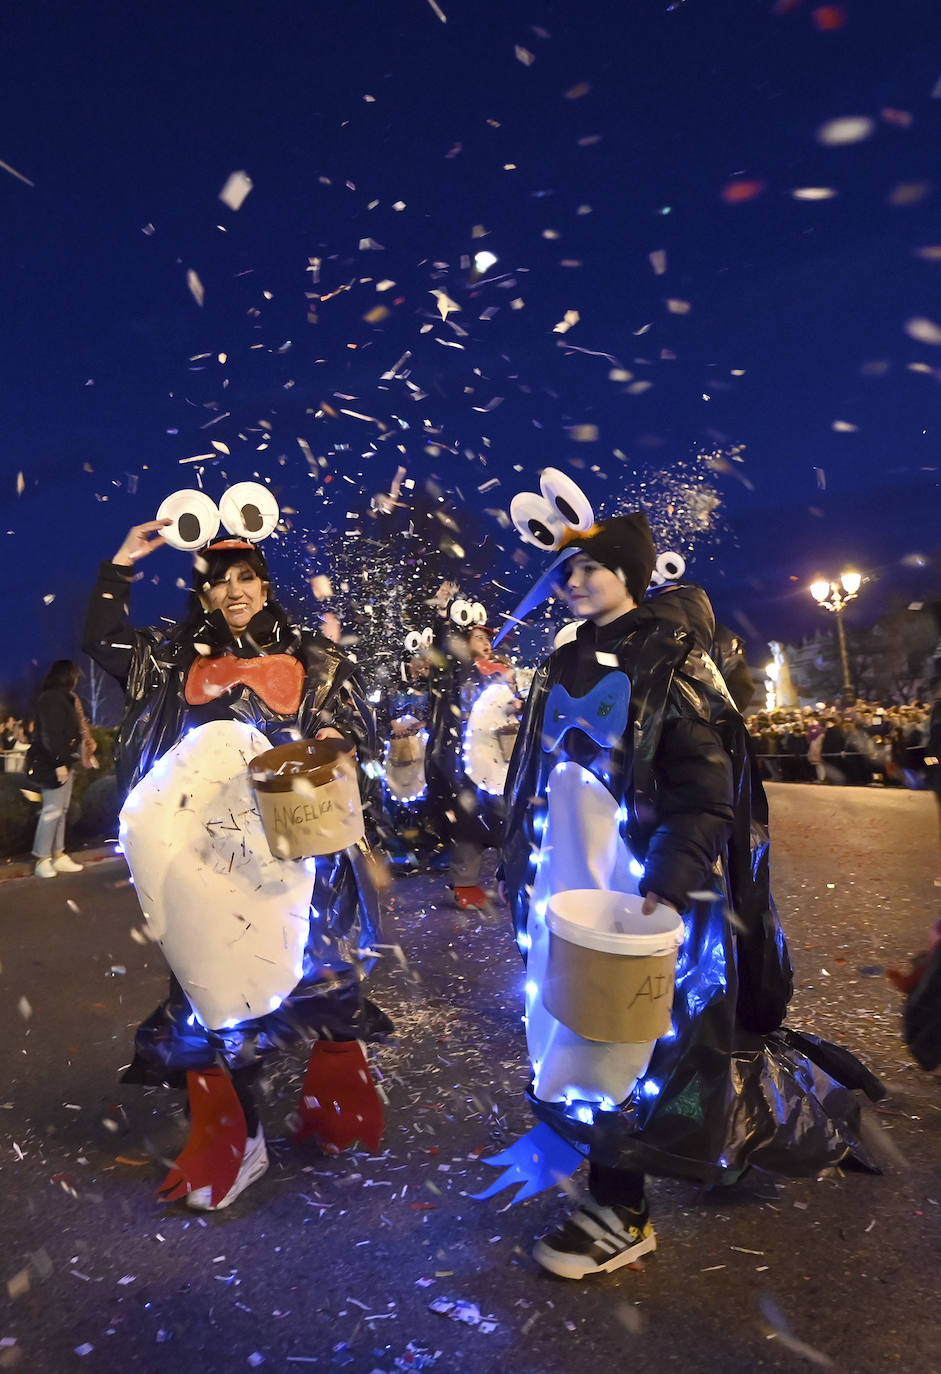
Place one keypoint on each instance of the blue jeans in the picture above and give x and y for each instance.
(50, 827)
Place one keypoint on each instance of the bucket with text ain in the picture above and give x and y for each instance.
(611, 970)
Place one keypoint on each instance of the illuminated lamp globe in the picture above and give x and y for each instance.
(820, 590)
(852, 581)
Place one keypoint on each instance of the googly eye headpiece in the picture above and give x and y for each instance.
(562, 519)
(416, 640)
(249, 511)
(467, 615)
(550, 520)
(669, 567)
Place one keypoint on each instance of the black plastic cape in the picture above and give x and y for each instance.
(151, 664)
(732, 1086)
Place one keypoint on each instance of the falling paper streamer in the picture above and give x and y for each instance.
(445, 304)
(922, 329)
(848, 129)
(235, 190)
(195, 286)
(570, 319)
(14, 173)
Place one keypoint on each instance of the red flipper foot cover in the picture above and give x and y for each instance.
(213, 1154)
(339, 1101)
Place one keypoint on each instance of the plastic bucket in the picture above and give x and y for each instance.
(506, 740)
(307, 795)
(404, 750)
(610, 972)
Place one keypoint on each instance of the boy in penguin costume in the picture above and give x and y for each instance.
(632, 775)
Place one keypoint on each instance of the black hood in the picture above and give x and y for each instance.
(686, 606)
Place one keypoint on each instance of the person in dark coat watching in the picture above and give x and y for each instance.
(50, 764)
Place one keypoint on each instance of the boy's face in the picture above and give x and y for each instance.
(478, 641)
(594, 591)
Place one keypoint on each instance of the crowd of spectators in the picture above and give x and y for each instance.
(857, 745)
(15, 738)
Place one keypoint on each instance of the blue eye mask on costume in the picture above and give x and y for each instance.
(601, 714)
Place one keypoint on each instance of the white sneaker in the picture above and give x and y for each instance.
(254, 1163)
(63, 864)
(45, 868)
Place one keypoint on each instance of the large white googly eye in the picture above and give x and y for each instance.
(195, 519)
(536, 520)
(461, 612)
(249, 511)
(567, 499)
(412, 642)
(478, 614)
(427, 637)
(668, 568)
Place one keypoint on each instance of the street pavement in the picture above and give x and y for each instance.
(332, 1263)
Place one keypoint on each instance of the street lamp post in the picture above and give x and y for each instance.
(833, 596)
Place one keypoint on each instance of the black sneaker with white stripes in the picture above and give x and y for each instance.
(596, 1240)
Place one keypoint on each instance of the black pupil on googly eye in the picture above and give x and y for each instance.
(567, 511)
(189, 527)
(541, 532)
(251, 518)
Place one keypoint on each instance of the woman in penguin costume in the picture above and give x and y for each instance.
(261, 948)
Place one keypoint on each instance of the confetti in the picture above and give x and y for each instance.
(235, 190)
(14, 173)
(195, 286)
(837, 133)
(924, 330)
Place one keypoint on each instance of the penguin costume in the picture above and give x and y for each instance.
(264, 950)
(634, 807)
(472, 724)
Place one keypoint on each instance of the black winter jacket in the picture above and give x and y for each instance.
(57, 738)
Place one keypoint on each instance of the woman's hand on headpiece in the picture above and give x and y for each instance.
(445, 593)
(139, 542)
(330, 627)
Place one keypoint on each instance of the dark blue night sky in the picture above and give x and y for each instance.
(582, 138)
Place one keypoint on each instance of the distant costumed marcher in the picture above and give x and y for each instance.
(473, 722)
(411, 841)
(261, 945)
(636, 833)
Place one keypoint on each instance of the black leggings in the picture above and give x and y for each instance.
(610, 1186)
(243, 1081)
